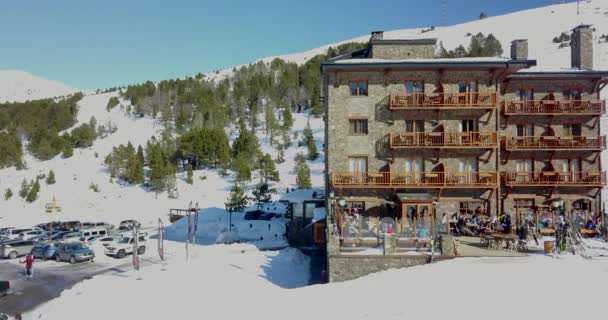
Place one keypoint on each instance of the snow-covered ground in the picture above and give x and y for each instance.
(240, 282)
(116, 201)
(19, 86)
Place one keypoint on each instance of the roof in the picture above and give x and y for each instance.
(484, 62)
(558, 73)
(427, 41)
(302, 195)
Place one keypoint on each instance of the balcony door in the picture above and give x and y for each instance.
(358, 167)
(467, 129)
(525, 134)
(527, 96)
(469, 90)
(524, 170)
(467, 170)
(415, 91)
(573, 167)
(413, 168)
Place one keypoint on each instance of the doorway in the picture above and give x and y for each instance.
(417, 220)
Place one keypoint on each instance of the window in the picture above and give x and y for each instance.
(574, 129)
(414, 87)
(358, 88)
(474, 207)
(467, 86)
(525, 130)
(572, 94)
(524, 165)
(414, 165)
(468, 125)
(357, 164)
(414, 125)
(358, 126)
(467, 165)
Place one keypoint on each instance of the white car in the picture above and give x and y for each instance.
(28, 235)
(15, 232)
(125, 246)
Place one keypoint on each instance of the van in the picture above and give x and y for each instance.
(85, 233)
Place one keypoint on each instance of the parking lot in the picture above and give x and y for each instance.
(51, 278)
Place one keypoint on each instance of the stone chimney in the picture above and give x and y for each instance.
(519, 49)
(376, 35)
(581, 47)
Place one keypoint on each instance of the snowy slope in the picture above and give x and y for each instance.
(236, 282)
(538, 25)
(19, 86)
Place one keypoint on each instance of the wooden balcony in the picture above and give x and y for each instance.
(455, 100)
(555, 178)
(443, 140)
(591, 143)
(554, 107)
(454, 180)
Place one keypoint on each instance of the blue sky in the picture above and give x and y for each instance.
(97, 44)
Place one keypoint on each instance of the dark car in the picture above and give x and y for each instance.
(128, 225)
(267, 216)
(74, 252)
(72, 226)
(253, 215)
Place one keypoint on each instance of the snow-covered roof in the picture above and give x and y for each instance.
(303, 195)
(438, 62)
(540, 72)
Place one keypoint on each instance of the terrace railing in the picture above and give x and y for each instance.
(414, 179)
(555, 143)
(554, 178)
(443, 140)
(554, 107)
(450, 100)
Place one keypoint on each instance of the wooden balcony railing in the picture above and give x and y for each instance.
(443, 140)
(554, 178)
(554, 107)
(414, 179)
(455, 100)
(555, 143)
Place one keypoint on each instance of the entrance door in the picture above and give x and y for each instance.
(417, 220)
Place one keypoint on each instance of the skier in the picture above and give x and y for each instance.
(29, 264)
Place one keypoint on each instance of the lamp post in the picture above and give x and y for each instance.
(50, 208)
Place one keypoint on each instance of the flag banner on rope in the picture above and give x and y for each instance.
(161, 249)
(195, 221)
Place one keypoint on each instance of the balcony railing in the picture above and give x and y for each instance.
(414, 179)
(443, 140)
(555, 143)
(455, 100)
(554, 178)
(554, 107)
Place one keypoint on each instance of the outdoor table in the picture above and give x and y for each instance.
(508, 239)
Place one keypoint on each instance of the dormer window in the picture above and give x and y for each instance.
(358, 88)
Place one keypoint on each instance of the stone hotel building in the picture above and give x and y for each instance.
(411, 137)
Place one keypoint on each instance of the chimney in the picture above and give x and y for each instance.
(581, 47)
(519, 49)
(377, 35)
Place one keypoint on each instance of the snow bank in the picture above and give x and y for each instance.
(19, 86)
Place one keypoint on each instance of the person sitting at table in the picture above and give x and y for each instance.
(506, 224)
(589, 225)
(460, 225)
(444, 223)
(523, 232)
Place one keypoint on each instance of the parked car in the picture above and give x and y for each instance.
(89, 239)
(16, 248)
(267, 216)
(71, 226)
(71, 237)
(27, 235)
(4, 231)
(15, 233)
(253, 215)
(93, 232)
(74, 252)
(44, 251)
(125, 246)
(128, 225)
(107, 240)
(104, 225)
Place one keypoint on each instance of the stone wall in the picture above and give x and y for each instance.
(348, 267)
(402, 51)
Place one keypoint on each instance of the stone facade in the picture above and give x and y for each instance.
(348, 267)
(581, 46)
(519, 49)
(402, 49)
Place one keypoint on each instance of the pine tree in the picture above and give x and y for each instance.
(137, 176)
(190, 175)
(50, 178)
(243, 171)
(268, 170)
(170, 180)
(157, 168)
(8, 194)
(33, 194)
(287, 118)
(262, 194)
(68, 150)
(237, 201)
(25, 189)
(302, 172)
(140, 155)
(309, 139)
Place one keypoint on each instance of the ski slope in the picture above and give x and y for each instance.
(19, 86)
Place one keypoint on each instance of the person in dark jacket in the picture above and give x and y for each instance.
(29, 266)
(506, 224)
